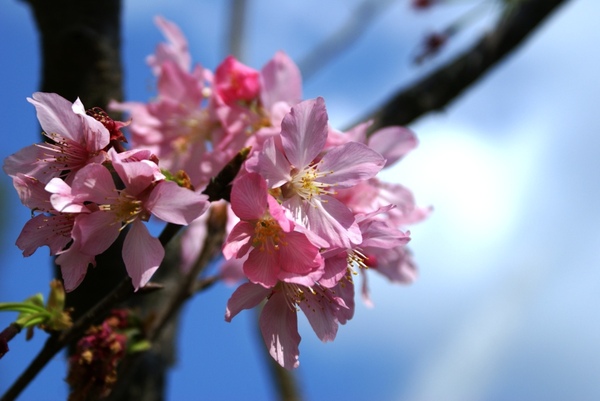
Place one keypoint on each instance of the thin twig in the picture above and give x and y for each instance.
(212, 244)
(436, 90)
(236, 29)
(58, 341)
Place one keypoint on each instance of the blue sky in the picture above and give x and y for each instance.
(505, 307)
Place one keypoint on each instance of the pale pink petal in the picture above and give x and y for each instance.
(344, 295)
(170, 202)
(246, 296)
(179, 85)
(142, 254)
(52, 231)
(271, 164)
(349, 164)
(231, 271)
(281, 81)
(136, 175)
(94, 135)
(73, 266)
(304, 132)
(334, 222)
(279, 214)
(30, 161)
(96, 231)
(62, 199)
(279, 327)
(336, 268)
(320, 309)
(32, 193)
(393, 143)
(192, 242)
(56, 115)
(397, 265)
(94, 183)
(176, 49)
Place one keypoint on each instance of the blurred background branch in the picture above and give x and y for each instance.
(439, 88)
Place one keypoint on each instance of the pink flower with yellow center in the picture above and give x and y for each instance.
(307, 177)
(276, 252)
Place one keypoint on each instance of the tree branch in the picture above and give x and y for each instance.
(237, 25)
(443, 85)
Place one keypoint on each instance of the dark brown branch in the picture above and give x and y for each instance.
(8, 334)
(438, 89)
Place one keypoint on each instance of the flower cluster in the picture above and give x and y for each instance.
(307, 211)
(84, 193)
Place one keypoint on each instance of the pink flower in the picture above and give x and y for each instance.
(276, 251)
(145, 194)
(324, 308)
(77, 139)
(308, 179)
(48, 227)
(235, 81)
(175, 50)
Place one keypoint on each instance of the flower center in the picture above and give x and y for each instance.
(268, 233)
(126, 209)
(306, 183)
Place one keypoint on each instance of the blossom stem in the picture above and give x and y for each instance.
(8, 334)
(58, 341)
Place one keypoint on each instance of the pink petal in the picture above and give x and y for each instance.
(177, 84)
(249, 197)
(56, 115)
(246, 296)
(320, 310)
(170, 202)
(281, 81)
(350, 163)
(336, 267)
(393, 143)
(94, 183)
(192, 242)
(271, 164)
(279, 327)
(29, 161)
(304, 132)
(334, 222)
(31, 192)
(62, 200)
(94, 135)
(96, 231)
(73, 266)
(142, 254)
(299, 254)
(262, 266)
(238, 241)
(52, 231)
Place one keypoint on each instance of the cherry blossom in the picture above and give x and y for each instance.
(276, 251)
(76, 140)
(308, 179)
